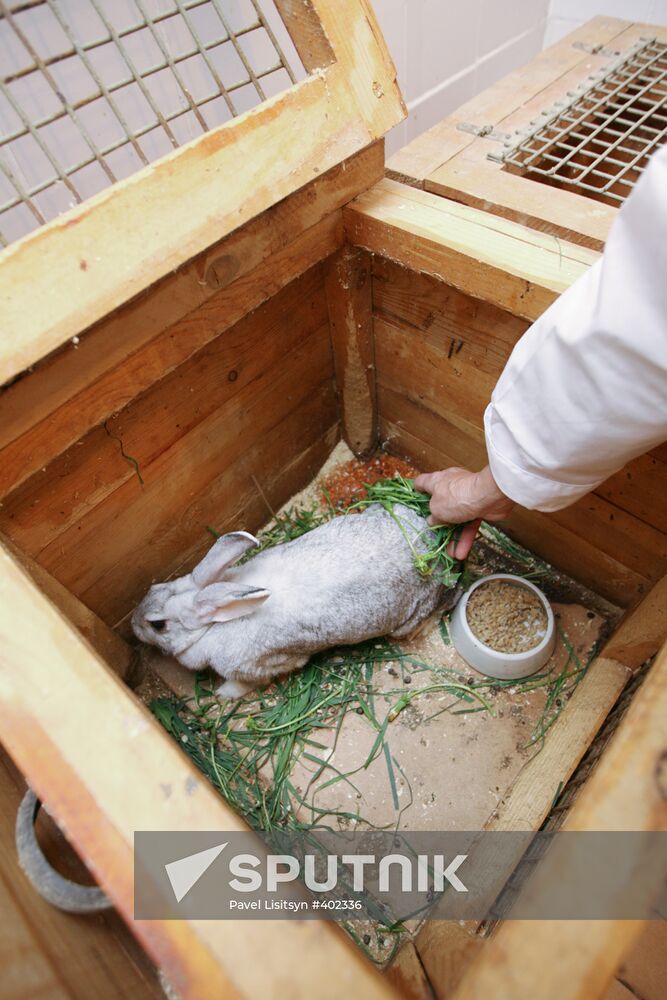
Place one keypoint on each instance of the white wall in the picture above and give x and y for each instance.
(446, 51)
(566, 15)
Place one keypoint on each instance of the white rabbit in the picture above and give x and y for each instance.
(349, 580)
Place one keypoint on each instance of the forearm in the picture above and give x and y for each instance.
(585, 389)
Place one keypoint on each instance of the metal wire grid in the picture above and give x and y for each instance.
(600, 142)
(23, 36)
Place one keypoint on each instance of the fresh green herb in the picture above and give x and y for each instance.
(436, 560)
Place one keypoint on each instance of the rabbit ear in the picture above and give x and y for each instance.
(227, 550)
(221, 602)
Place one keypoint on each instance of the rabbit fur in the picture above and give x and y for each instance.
(348, 580)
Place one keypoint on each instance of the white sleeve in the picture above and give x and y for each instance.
(585, 389)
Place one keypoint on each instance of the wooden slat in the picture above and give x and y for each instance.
(77, 734)
(106, 643)
(484, 256)
(305, 29)
(643, 630)
(348, 286)
(58, 281)
(569, 959)
(640, 489)
(421, 158)
(530, 798)
(55, 406)
(46, 953)
(55, 499)
(456, 323)
(406, 974)
(139, 533)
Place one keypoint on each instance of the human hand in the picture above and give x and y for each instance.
(458, 496)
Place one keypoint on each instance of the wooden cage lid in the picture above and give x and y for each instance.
(60, 279)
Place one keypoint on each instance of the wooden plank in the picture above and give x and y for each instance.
(451, 320)
(421, 158)
(406, 974)
(530, 798)
(57, 497)
(470, 177)
(416, 368)
(108, 378)
(287, 239)
(77, 747)
(62, 278)
(348, 287)
(643, 630)
(106, 643)
(640, 489)
(484, 256)
(568, 959)
(418, 434)
(143, 532)
(457, 947)
(305, 30)
(48, 953)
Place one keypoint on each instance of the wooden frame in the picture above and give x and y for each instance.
(56, 282)
(60, 661)
(453, 163)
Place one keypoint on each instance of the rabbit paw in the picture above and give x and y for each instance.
(233, 689)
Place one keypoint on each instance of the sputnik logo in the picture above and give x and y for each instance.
(186, 872)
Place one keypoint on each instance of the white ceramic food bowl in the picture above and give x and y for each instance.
(491, 662)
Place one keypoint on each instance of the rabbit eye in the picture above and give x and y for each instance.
(159, 625)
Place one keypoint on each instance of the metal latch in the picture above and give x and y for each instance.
(483, 131)
(595, 50)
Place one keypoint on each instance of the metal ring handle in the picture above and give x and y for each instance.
(45, 880)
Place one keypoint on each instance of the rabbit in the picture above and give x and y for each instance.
(353, 578)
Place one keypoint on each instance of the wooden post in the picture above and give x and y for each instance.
(570, 959)
(108, 644)
(642, 630)
(348, 285)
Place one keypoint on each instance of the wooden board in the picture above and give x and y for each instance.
(78, 735)
(478, 253)
(80, 386)
(132, 500)
(62, 278)
(348, 286)
(46, 953)
(569, 959)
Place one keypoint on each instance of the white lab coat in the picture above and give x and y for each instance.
(585, 389)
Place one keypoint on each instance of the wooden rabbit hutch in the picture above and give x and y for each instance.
(190, 344)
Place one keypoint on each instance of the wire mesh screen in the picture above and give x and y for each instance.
(599, 143)
(93, 90)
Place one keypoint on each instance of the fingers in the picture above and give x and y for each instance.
(425, 483)
(462, 547)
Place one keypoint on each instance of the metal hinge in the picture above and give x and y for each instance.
(483, 131)
(595, 50)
